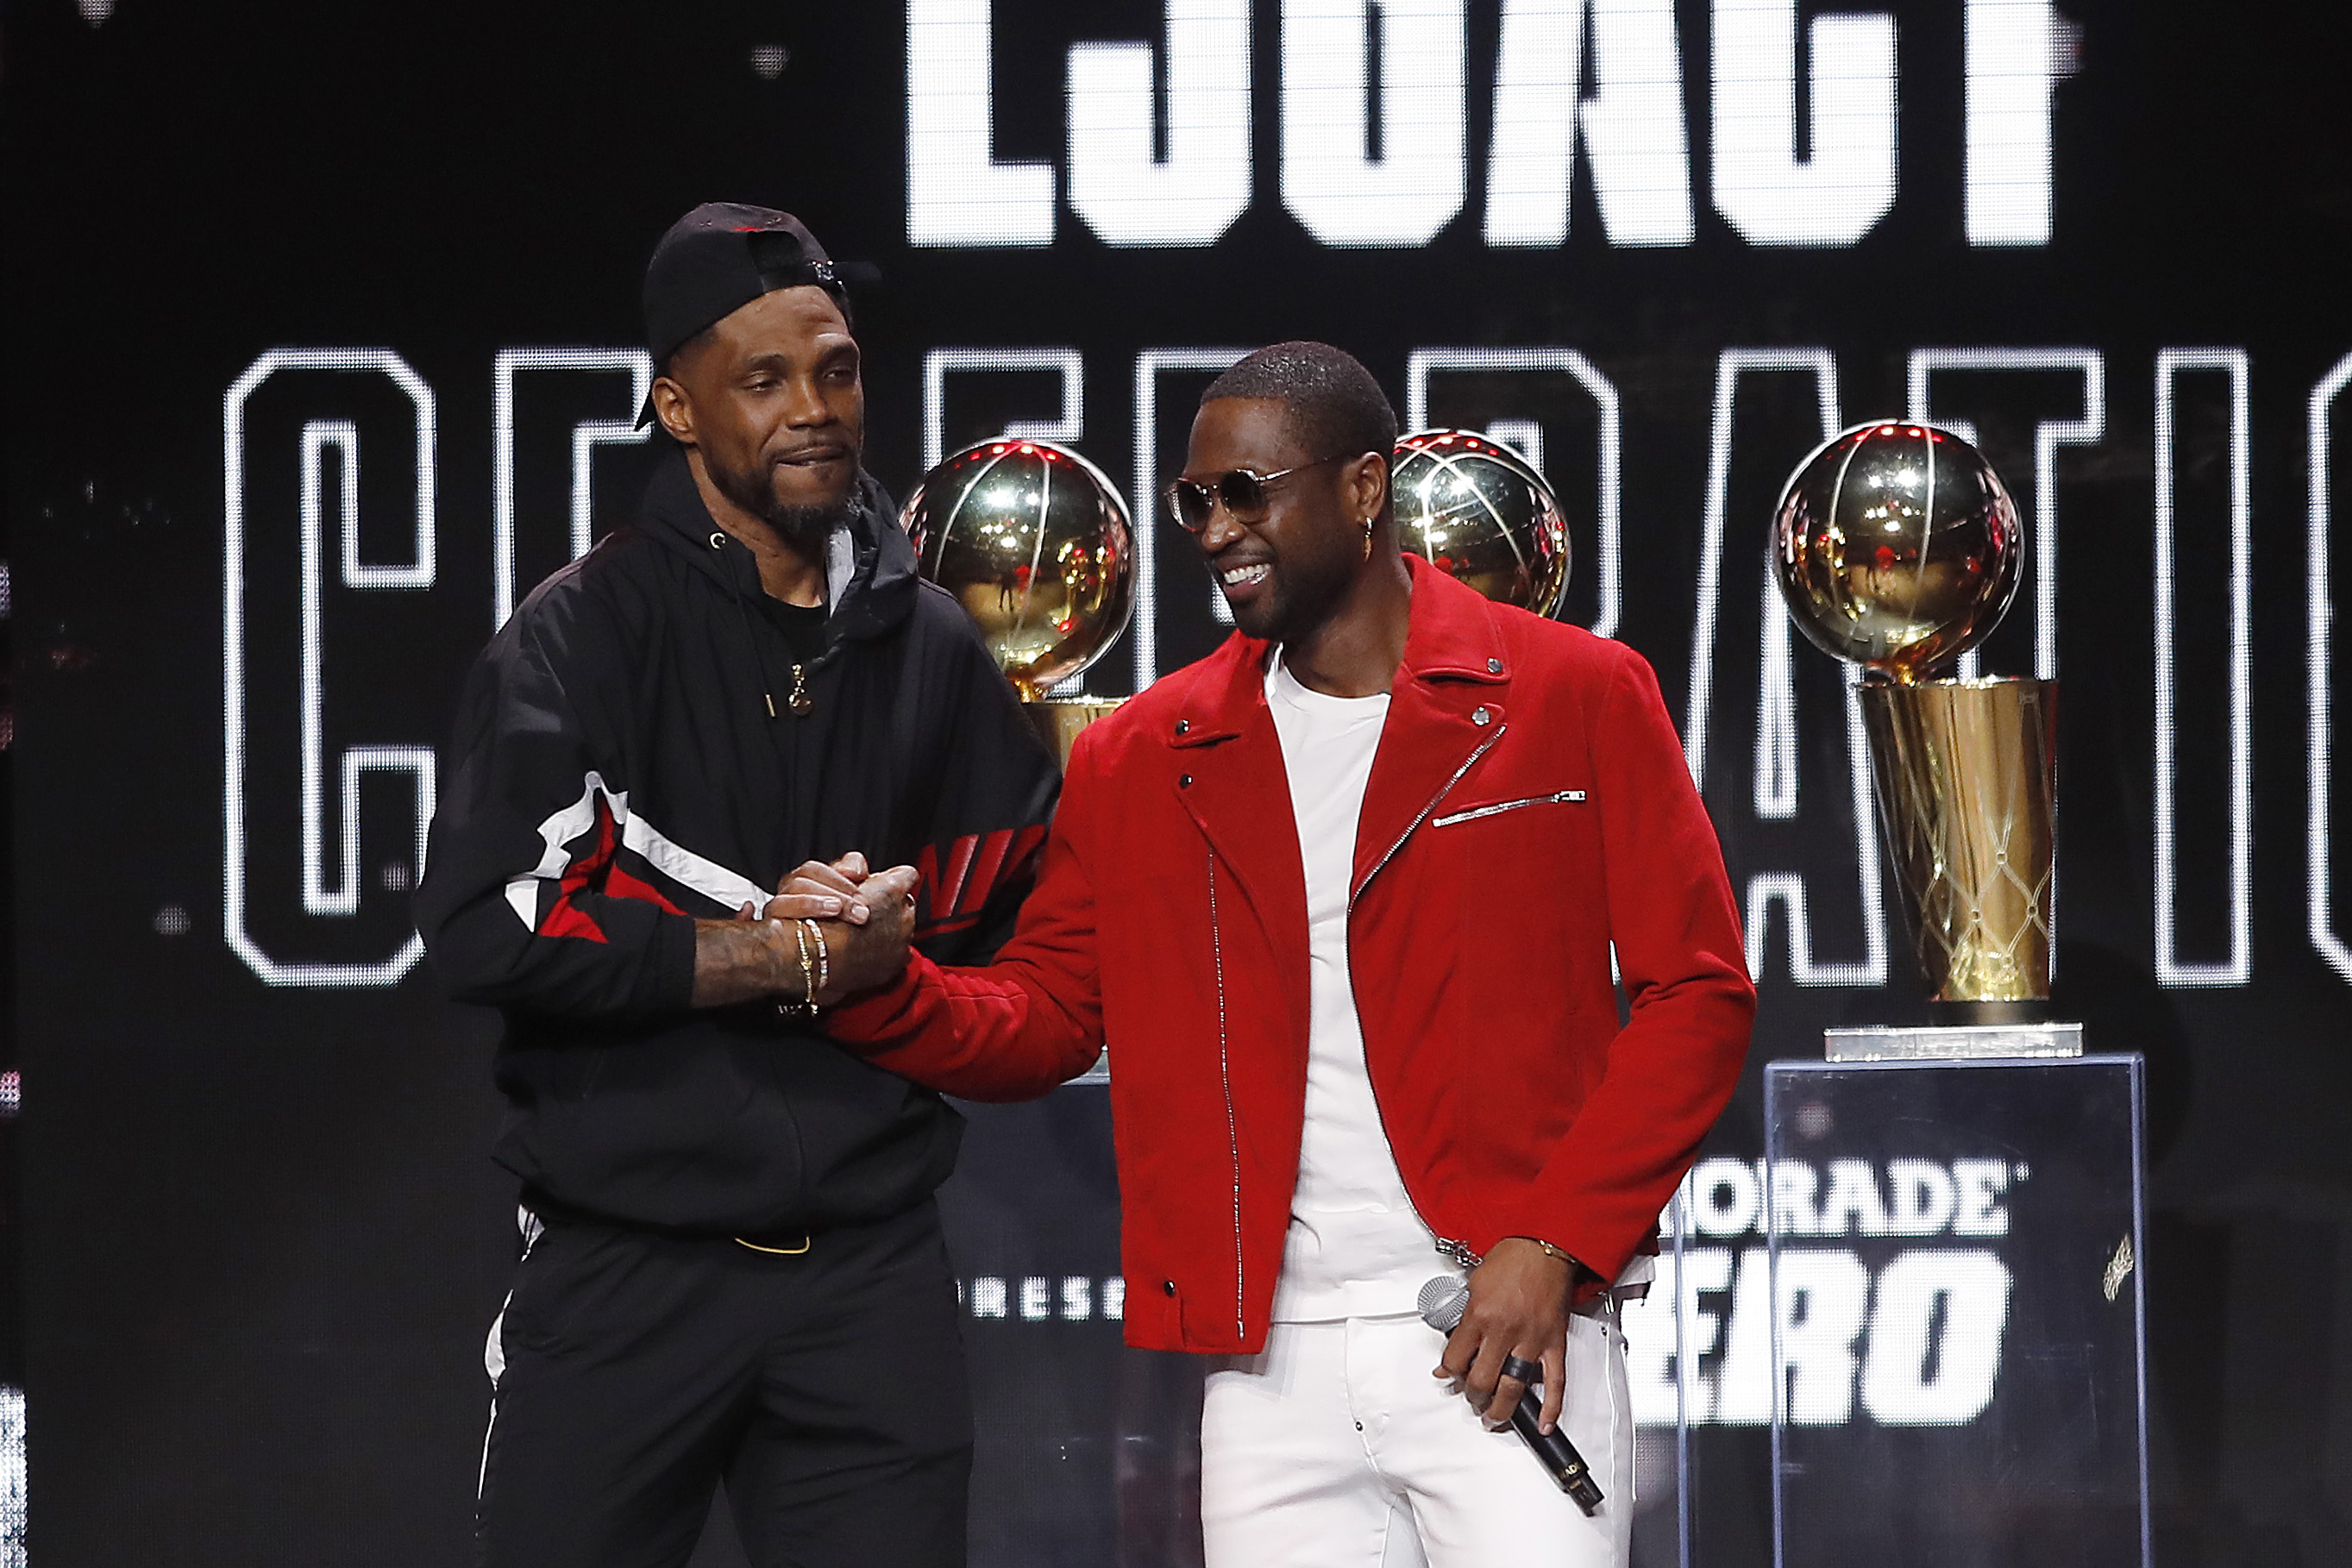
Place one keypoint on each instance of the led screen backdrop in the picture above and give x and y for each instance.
(323, 327)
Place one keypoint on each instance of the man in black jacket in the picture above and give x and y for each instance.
(732, 1265)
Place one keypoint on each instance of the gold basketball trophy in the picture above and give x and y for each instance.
(1037, 546)
(1898, 548)
(1481, 514)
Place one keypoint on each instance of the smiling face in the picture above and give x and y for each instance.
(771, 402)
(1284, 572)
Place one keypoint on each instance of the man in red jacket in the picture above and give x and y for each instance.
(1342, 897)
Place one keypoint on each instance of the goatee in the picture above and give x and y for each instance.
(806, 527)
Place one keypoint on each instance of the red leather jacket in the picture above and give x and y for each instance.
(1527, 806)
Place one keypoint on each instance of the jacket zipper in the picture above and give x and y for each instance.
(1467, 763)
(1456, 1251)
(1232, 1136)
(1558, 797)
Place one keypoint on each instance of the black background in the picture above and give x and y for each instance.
(261, 1237)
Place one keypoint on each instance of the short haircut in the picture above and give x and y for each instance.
(1337, 409)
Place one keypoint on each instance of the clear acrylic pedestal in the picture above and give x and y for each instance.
(1957, 1328)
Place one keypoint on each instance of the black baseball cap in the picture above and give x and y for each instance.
(719, 257)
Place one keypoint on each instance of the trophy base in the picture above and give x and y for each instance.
(1954, 1042)
(1058, 721)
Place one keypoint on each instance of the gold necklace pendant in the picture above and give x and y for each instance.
(800, 701)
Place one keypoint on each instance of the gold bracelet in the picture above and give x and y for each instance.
(808, 970)
(1574, 1266)
(783, 1005)
(823, 965)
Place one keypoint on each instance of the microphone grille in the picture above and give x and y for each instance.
(1442, 1301)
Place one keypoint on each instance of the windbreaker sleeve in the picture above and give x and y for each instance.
(1025, 1023)
(999, 787)
(1673, 1066)
(517, 906)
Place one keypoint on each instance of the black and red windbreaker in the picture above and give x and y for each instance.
(618, 773)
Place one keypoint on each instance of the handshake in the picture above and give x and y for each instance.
(830, 933)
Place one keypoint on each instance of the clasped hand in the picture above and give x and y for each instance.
(867, 919)
(1518, 1307)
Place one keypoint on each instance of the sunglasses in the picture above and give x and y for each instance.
(1240, 492)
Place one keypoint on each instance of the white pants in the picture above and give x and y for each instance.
(1335, 1447)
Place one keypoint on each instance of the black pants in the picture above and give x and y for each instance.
(826, 1389)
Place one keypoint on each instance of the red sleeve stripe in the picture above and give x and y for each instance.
(564, 917)
(949, 892)
(976, 865)
(620, 882)
(600, 871)
(597, 845)
(985, 866)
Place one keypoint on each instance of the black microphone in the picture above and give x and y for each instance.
(1442, 1301)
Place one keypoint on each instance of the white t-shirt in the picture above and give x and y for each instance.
(1355, 1247)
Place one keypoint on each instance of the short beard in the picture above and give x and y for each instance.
(806, 528)
(1296, 613)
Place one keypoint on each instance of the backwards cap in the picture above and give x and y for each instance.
(717, 260)
(719, 257)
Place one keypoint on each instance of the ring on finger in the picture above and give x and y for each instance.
(1526, 1370)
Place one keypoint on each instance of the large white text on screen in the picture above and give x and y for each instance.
(1375, 111)
(321, 822)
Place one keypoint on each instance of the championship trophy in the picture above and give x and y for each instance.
(1898, 548)
(1479, 512)
(1035, 544)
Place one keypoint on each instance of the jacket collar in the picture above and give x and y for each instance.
(870, 573)
(1447, 707)
(1450, 704)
